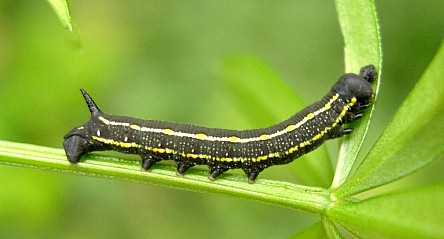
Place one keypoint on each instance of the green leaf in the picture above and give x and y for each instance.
(314, 231)
(412, 213)
(266, 98)
(266, 191)
(331, 229)
(62, 11)
(359, 26)
(413, 138)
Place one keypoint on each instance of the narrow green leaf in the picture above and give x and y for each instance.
(314, 231)
(62, 11)
(359, 26)
(266, 98)
(412, 213)
(273, 192)
(331, 230)
(360, 29)
(413, 138)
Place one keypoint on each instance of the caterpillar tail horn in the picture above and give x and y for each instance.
(93, 108)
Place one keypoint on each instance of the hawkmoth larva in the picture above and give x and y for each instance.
(221, 149)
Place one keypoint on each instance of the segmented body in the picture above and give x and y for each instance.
(221, 149)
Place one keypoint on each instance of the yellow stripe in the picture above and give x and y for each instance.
(104, 120)
(117, 143)
(290, 128)
(231, 138)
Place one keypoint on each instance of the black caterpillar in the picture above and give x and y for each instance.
(221, 149)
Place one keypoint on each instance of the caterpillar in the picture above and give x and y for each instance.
(222, 149)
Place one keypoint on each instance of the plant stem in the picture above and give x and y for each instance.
(312, 199)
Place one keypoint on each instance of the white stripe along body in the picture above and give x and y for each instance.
(221, 149)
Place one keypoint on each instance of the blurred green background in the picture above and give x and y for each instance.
(163, 60)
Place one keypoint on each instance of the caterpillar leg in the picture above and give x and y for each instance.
(348, 131)
(350, 117)
(216, 171)
(339, 132)
(183, 166)
(364, 106)
(148, 161)
(252, 177)
(252, 173)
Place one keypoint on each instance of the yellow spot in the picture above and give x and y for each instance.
(206, 156)
(353, 100)
(192, 156)
(335, 97)
(273, 155)
(290, 127)
(226, 160)
(201, 136)
(307, 142)
(260, 158)
(316, 137)
(158, 150)
(169, 151)
(310, 116)
(291, 150)
(233, 139)
(97, 138)
(302, 144)
(104, 120)
(263, 137)
(136, 127)
(327, 106)
(168, 131)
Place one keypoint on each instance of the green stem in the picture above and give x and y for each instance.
(284, 194)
